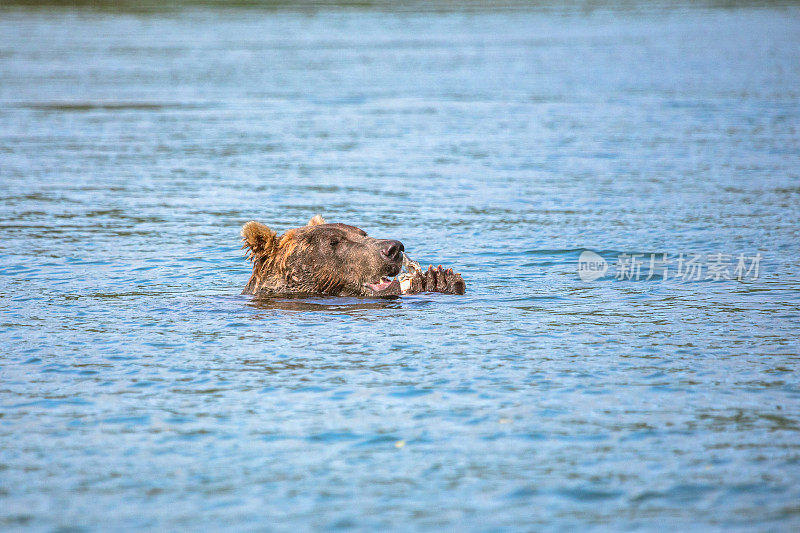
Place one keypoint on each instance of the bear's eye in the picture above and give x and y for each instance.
(334, 241)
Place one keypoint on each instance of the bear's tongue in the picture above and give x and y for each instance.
(382, 285)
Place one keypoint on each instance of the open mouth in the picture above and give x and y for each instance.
(385, 286)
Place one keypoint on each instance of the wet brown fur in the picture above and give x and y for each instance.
(298, 262)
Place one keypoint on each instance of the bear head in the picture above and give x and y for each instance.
(321, 258)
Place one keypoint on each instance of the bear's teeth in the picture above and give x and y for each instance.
(381, 284)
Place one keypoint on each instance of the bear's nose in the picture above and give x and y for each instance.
(392, 250)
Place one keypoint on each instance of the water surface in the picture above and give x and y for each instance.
(140, 390)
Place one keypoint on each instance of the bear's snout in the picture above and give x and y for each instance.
(392, 251)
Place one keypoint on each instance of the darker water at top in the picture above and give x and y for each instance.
(140, 390)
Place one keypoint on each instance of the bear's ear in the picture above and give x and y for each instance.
(316, 221)
(259, 239)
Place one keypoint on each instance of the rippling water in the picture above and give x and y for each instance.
(140, 390)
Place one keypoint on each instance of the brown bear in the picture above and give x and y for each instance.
(336, 260)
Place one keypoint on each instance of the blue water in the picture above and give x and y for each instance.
(140, 390)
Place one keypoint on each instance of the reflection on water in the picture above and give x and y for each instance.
(140, 389)
(317, 304)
